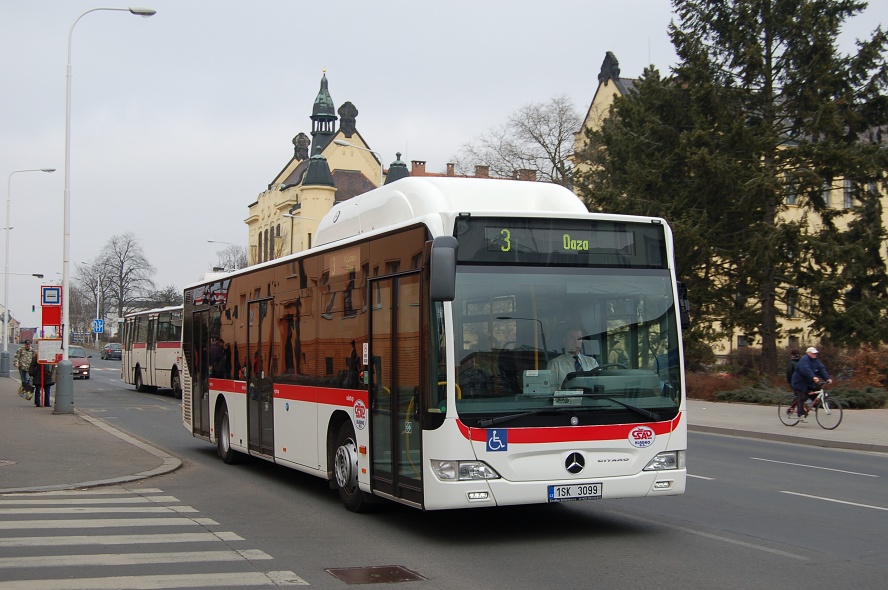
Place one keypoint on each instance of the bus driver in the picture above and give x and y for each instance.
(571, 360)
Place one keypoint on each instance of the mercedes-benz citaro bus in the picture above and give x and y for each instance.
(421, 351)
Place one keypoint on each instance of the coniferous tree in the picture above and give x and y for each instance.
(772, 112)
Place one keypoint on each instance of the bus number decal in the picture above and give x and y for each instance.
(642, 437)
(360, 415)
(507, 240)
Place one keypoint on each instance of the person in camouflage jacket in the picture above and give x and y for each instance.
(23, 357)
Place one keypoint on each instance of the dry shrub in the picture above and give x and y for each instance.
(863, 367)
(704, 386)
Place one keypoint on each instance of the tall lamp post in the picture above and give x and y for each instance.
(64, 392)
(344, 143)
(4, 356)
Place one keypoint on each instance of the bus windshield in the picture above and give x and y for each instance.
(599, 343)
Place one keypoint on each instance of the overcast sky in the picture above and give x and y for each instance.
(180, 120)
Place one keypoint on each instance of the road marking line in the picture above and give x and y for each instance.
(118, 559)
(70, 540)
(204, 580)
(714, 537)
(835, 500)
(100, 510)
(101, 523)
(813, 467)
(701, 477)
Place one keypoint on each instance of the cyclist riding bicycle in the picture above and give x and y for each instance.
(810, 374)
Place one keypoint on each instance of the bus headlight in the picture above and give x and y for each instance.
(667, 461)
(463, 470)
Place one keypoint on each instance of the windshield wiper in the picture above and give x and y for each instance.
(510, 417)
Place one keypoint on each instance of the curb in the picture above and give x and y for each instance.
(788, 438)
(169, 464)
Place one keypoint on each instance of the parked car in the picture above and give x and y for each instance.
(80, 361)
(112, 350)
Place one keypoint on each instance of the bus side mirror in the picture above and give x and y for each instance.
(443, 268)
(684, 306)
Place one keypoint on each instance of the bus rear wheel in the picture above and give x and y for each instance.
(345, 470)
(223, 438)
(176, 384)
(137, 379)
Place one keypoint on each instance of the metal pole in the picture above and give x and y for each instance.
(65, 388)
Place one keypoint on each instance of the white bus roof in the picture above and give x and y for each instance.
(412, 199)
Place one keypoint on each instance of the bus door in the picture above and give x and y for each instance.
(200, 379)
(149, 375)
(260, 391)
(395, 350)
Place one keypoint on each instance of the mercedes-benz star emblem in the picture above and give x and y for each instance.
(574, 463)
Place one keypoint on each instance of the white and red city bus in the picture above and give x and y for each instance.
(152, 349)
(410, 354)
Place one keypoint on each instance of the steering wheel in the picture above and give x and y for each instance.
(621, 365)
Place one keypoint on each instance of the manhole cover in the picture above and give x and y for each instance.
(377, 574)
(5, 462)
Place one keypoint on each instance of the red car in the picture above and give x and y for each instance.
(80, 361)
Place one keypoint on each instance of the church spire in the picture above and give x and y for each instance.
(323, 118)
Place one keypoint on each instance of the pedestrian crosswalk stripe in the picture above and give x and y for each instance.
(100, 523)
(117, 559)
(65, 501)
(100, 510)
(213, 580)
(69, 540)
(86, 492)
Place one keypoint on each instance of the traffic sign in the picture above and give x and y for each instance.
(98, 326)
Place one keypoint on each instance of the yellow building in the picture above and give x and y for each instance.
(334, 165)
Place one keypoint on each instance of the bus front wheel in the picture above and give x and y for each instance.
(345, 470)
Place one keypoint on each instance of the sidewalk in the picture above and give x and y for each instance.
(42, 451)
(860, 430)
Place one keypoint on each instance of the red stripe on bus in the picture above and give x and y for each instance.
(570, 433)
(139, 345)
(301, 393)
(228, 385)
(174, 344)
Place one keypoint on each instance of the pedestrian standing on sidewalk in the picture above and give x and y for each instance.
(794, 357)
(810, 374)
(22, 361)
(42, 386)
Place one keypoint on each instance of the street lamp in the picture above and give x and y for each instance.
(65, 389)
(344, 143)
(4, 356)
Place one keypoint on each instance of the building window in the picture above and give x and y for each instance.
(259, 248)
(848, 193)
(793, 342)
(792, 301)
(827, 190)
(742, 341)
(790, 182)
(267, 247)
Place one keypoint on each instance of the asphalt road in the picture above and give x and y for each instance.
(756, 514)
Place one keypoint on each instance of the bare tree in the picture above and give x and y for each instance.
(129, 272)
(232, 257)
(94, 282)
(166, 297)
(538, 137)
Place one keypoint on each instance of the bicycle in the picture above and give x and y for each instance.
(826, 409)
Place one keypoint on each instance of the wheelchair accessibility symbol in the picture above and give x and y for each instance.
(497, 439)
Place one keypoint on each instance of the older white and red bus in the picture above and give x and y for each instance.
(411, 354)
(152, 349)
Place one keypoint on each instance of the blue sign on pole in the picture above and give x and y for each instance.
(98, 326)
